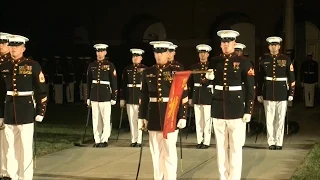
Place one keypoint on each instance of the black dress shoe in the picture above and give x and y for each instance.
(204, 146)
(133, 144)
(272, 147)
(199, 146)
(103, 145)
(138, 145)
(5, 178)
(96, 145)
(278, 147)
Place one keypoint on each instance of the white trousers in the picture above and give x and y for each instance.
(4, 151)
(101, 112)
(229, 133)
(58, 93)
(275, 112)
(20, 152)
(309, 94)
(164, 155)
(203, 119)
(83, 92)
(70, 92)
(135, 124)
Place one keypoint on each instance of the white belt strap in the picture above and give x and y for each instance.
(19, 93)
(199, 85)
(228, 88)
(100, 82)
(162, 99)
(133, 85)
(276, 79)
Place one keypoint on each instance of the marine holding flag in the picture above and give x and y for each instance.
(229, 72)
(156, 86)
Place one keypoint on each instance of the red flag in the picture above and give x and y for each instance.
(179, 82)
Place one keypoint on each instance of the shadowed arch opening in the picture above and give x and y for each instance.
(142, 28)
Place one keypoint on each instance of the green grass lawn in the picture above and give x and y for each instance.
(310, 168)
(64, 125)
(53, 137)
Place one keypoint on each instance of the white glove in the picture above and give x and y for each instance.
(39, 118)
(302, 84)
(144, 124)
(260, 99)
(122, 103)
(1, 124)
(113, 102)
(246, 118)
(182, 123)
(190, 102)
(290, 98)
(88, 102)
(210, 74)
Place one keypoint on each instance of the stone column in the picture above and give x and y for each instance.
(289, 25)
(289, 28)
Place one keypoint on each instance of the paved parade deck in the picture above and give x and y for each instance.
(119, 161)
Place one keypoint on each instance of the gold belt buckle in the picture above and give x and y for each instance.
(159, 99)
(274, 78)
(15, 93)
(134, 85)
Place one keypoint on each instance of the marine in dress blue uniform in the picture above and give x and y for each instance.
(200, 93)
(276, 85)
(156, 83)
(229, 73)
(25, 83)
(102, 92)
(130, 94)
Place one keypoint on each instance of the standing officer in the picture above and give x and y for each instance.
(4, 56)
(228, 71)
(309, 79)
(70, 80)
(239, 49)
(172, 53)
(102, 93)
(130, 94)
(24, 80)
(201, 94)
(155, 90)
(58, 80)
(275, 72)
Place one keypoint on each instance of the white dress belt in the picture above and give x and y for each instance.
(276, 79)
(100, 82)
(20, 93)
(133, 85)
(199, 85)
(228, 88)
(162, 99)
